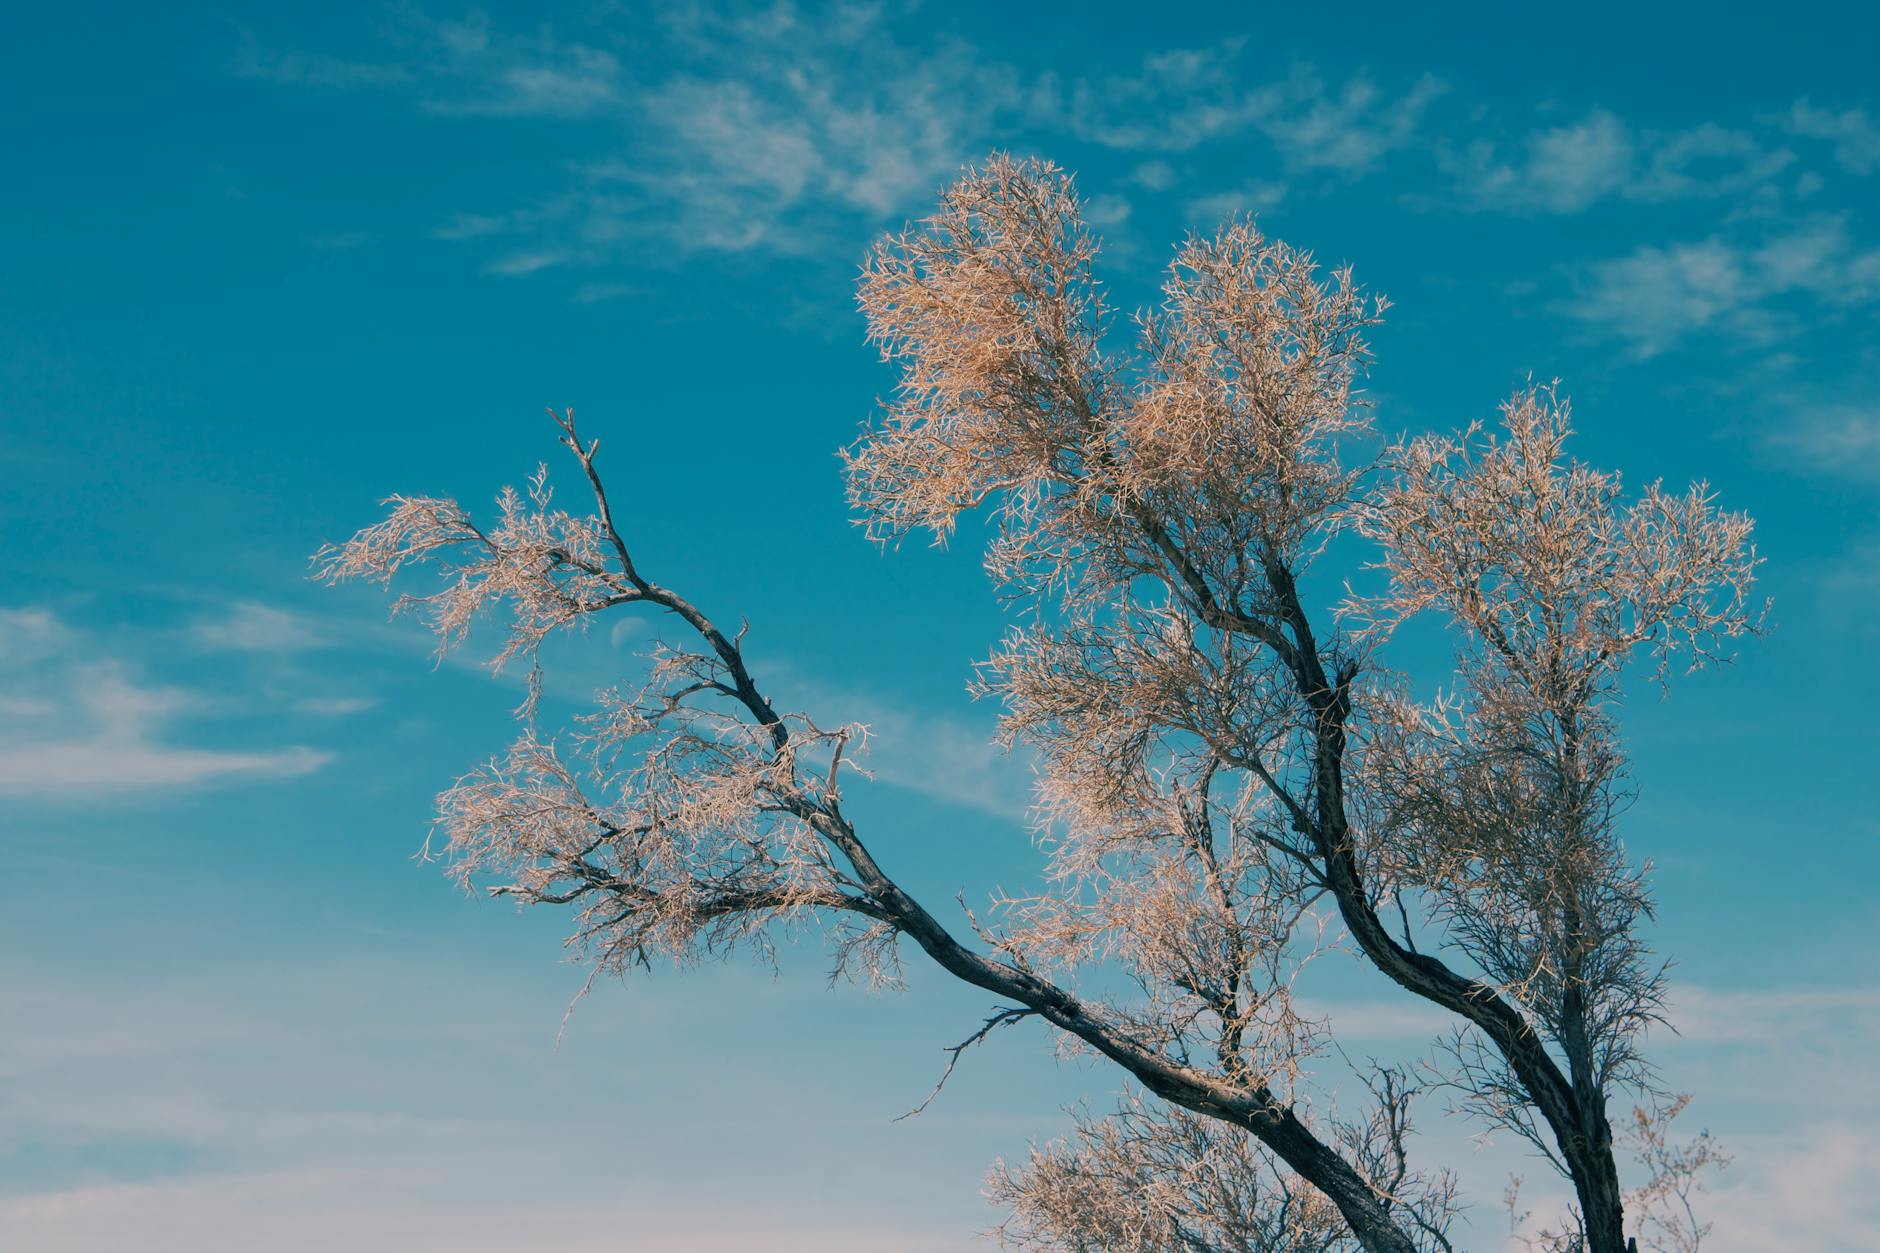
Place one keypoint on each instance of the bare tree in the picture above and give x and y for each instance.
(1231, 777)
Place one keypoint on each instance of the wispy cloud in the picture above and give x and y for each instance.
(1707, 160)
(1772, 1015)
(334, 706)
(1253, 197)
(410, 1207)
(30, 634)
(1808, 1189)
(305, 69)
(313, 1105)
(770, 130)
(248, 626)
(457, 67)
(936, 754)
(78, 724)
(1560, 170)
(1854, 135)
(1177, 101)
(1569, 168)
(1655, 296)
(1180, 100)
(746, 131)
(1349, 130)
(122, 749)
(1760, 291)
(1840, 439)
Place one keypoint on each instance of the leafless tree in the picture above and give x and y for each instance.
(1231, 776)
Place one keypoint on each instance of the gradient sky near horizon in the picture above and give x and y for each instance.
(267, 264)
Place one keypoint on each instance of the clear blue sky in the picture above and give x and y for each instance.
(266, 264)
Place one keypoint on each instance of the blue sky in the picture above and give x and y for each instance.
(268, 264)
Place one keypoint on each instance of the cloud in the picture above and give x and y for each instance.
(29, 634)
(1781, 1073)
(518, 264)
(1178, 101)
(1804, 1190)
(1707, 160)
(1854, 135)
(468, 67)
(1842, 440)
(120, 750)
(252, 627)
(411, 1208)
(1655, 296)
(1560, 170)
(1770, 1016)
(585, 80)
(785, 123)
(1568, 169)
(1153, 175)
(1351, 131)
(1183, 99)
(1658, 296)
(334, 706)
(1403, 1019)
(755, 133)
(737, 131)
(76, 725)
(1252, 197)
(1107, 210)
(307, 1105)
(303, 69)
(937, 755)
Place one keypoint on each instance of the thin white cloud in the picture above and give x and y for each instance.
(29, 634)
(1808, 1189)
(785, 132)
(586, 80)
(1711, 1016)
(1842, 440)
(1707, 160)
(1559, 170)
(77, 725)
(249, 626)
(122, 751)
(1351, 130)
(756, 141)
(1854, 135)
(1183, 99)
(1657, 296)
(469, 67)
(414, 1209)
(1209, 211)
(323, 1105)
(1153, 175)
(1403, 1019)
(519, 264)
(303, 69)
(1107, 209)
(335, 706)
(778, 128)
(1179, 100)
(1569, 168)
(934, 754)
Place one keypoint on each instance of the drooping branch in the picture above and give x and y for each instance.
(726, 826)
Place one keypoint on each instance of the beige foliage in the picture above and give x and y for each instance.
(1232, 779)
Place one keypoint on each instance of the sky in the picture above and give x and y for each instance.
(267, 264)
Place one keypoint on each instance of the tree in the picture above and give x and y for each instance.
(1231, 777)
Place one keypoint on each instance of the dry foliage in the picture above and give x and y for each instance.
(1227, 770)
